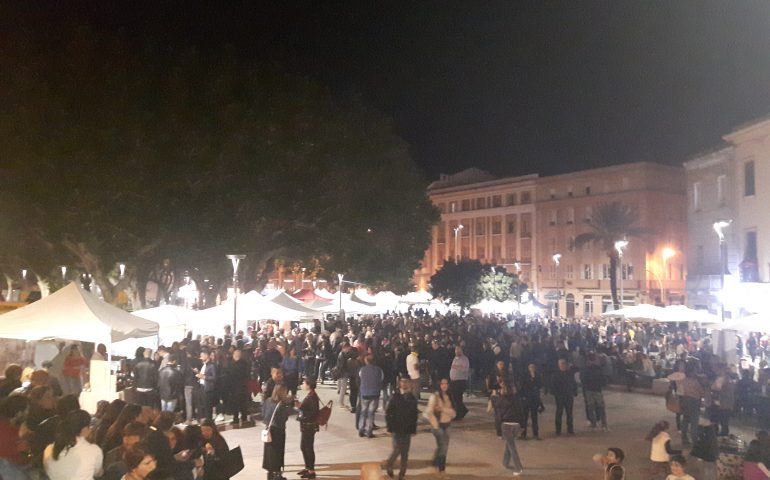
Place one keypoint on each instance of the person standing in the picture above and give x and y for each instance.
(277, 409)
(170, 385)
(146, 380)
(509, 416)
(72, 373)
(207, 379)
(564, 390)
(371, 378)
(690, 399)
(592, 379)
(413, 370)
(239, 372)
(308, 426)
(458, 376)
(723, 394)
(440, 413)
(530, 389)
(401, 420)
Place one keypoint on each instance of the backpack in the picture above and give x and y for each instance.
(323, 415)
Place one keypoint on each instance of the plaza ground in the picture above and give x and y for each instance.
(475, 451)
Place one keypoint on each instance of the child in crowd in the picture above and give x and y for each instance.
(677, 469)
(612, 463)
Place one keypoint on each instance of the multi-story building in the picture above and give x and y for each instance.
(652, 268)
(522, 222)
(730, 184)
(483, 218)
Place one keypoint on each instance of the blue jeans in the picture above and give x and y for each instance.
(442, 446)
(511, 459)
(401, 443)
(167, 405)
(368, 407)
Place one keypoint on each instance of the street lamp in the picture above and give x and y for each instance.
(24, 274)
(619, 246)
(719, 228)
(557, 260)
(236, 260)
(340, 277)
(63, 272)
(667, 253)
(122, 270)
(457, 233)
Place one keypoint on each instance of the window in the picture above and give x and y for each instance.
(466, 230)
(569, 191)
(627, 271)
(511, 252)
(480, 228)
(589, 214)
(496, 227)
(481, 202)
(452, 207)
(526, 198)
(588, 190)
(553, 245)
(442, 207)
(570, 271)
(497, 201)
(511, 228)
(570, 215)
(441, 237)
(721, 190)
(480, 252)
(696, 196)
(571, 244)
(496, 253)
(553, 194)
(748, 179)
(751, 247)
(588, 271)
(525, 228)
(552, 271)
(552, 218)
(510, 199)
(605, 271)
(588, 306)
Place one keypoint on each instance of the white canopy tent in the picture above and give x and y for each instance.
(759, 322)
(640, 313)
(171, 319)
(350, 306)
(74, 314)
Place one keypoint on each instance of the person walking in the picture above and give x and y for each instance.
(170, 385)
(308, 426)
(564, 390)
(440, 413)
(401, 420)
(371, 378)
(509, 413)
(277, 409)
(347, 353)
(593, 380)
(458, 375)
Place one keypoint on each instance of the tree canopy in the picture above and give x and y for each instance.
(467, 282)
(114, 153)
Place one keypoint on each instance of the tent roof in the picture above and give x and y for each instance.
(74, 314)
(166, 315)
(308, 295)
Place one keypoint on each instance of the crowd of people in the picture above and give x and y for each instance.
(167, 427)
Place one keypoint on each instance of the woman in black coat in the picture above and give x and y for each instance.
(530, 390)
(277, 410)
(308, 426)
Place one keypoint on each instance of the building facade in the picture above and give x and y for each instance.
(522, 222)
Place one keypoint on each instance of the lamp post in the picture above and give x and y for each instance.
(557, 260)
(122, 270)
(340, 277)
(63, 272)
(667, 253)
(719, 227)
(457, 233)
(619, 246)
(236, 260)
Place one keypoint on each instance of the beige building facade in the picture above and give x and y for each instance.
(522, 222)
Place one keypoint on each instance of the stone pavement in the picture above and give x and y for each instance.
(474, 451)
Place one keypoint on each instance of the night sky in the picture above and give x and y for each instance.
(511, 87)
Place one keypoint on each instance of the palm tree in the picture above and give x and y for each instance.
(612, 222)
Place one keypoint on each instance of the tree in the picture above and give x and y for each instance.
(611, 223)
(468, 282)
(116, 156)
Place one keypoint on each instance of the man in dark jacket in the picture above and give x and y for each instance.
(593, 380)
(237, 378)
(401, 419)
(564, 390)
(146, 380)
(170, 384)
(207, 377)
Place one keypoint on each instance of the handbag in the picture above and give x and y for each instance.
(233, 462)
(267, 437)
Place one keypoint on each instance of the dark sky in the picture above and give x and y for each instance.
(512, 87)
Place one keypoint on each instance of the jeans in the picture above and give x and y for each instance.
(511, 459)
(307, 439)
(209, 400)
(167, 405)
(531, 411)
(387, 392)
(401, 442)
(416, 387)
(442, 446)
(595, 407)
(188, 402)
(457, 389)
(368, 407)
(690, 415)
(564, 405)
(342, 386)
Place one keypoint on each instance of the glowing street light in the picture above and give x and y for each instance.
(557, 260)
(24, 273)
(667, 253)
(340, 277)
(719, 228)
(63, 272)
(235, 260)
(122, 270)
(457, 233)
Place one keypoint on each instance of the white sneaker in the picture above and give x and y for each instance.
(516, 474)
